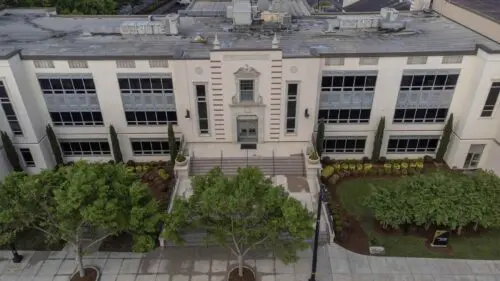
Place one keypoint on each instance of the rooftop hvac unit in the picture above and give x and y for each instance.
(350, 22)
(242, 13)
(229, 12)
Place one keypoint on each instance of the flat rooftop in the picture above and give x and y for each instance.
(487, 8)
(43, 36)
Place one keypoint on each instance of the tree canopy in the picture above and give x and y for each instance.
(242, 213)
(66, 204)
(444, 199)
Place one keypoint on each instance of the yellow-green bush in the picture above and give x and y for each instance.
(327, 171)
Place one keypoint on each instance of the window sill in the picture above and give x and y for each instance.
(204, 135)
(290, 134)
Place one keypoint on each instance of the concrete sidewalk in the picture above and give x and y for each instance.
(211, 264)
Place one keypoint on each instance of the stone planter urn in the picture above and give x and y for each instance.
(181, 161)
(313, 158)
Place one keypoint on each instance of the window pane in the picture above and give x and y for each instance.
(172, 116)
(338, 81)
(291, 110)
(89, 84)
(44, 84)
(67, 84)
(290, 123)
(161, 115)
(452, 80)
(156, 83)
(322, 114)
(146, 145)
(56, 84)
(136, 146)
(202, 110)
(167, 83)
(140, 115)
(8, 109)
(123, 82)
(406, 80)
(151, 116)
(204, 125)
(326, 81)
(87, 116)
(348, 81)
(292, 89)
(134, 83)
(146, 83)
(78, 83)
(156, 145)
(370, 81)
(77, 117)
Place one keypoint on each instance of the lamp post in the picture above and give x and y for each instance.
(316, 233)
(16, 258)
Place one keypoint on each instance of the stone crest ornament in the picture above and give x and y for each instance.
(198, 70)
(246, 72)
(294, 69)
(275, 43)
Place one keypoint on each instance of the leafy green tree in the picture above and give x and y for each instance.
(115, 145)
(379, 137)
(242, 213)
(172, 145)
(11, 152)
(54, 144)
(445, 139)
(320, 136)
(72, 201)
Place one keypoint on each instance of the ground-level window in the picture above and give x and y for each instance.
(474, 156)
(85, 147)
(27, 157)
(344, 144)
(80, 118)
(412, 144)
(151, 147)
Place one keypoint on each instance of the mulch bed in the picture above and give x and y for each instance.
(90, 275)
(247, 275)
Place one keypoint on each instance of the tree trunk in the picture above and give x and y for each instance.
(79, 262)
(240, 265)
(459, 230)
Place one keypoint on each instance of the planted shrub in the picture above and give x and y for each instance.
(172, 145)
(115, 145)
(379, 136)
(320, 136)
(11, 152)
(54, 144)
(327, 172)
(445, 139)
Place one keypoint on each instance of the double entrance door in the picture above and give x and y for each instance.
(247, 131)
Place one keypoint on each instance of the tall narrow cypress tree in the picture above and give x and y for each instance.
(54, 144)
(320, 136)
(379, 137)
(115, 145)
(445, 139)
(11, 152)
(172, 146)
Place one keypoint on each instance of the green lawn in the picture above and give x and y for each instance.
(352, 194)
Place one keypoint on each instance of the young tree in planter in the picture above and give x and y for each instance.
(379, 137)
(445, 139)
(172, 145)
(72, 201)
(55, 145)
(242, 213)
(115, 145)
(320, 136)
(11, 152)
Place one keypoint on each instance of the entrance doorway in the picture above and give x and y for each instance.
(248, 130)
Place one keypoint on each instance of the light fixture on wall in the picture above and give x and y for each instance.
(188, 115)
(306, 113)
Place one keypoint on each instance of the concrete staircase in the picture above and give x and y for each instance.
(288, 166)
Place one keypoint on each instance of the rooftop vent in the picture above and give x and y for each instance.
(389, 14)
(168, 26)
(242, 12)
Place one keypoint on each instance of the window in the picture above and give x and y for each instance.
(246, 90)
(347, 99)
(8, 109)
(43, 63)
(452, 59)
(27, 157)
(412, 144)
(125, 63)
(151, 147)
(78, 64)
(291, 107)
(148, 99)
(417, 60)
(201, 103)
(151, 117)
(491, 100)
(334, 61)
(67, 85)
(158, 63)
(81, 118)
(368, 61)
(85, 148)
(474, 156)
(344, 144)
(425, 97)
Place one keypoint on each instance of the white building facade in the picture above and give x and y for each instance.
(252, 103)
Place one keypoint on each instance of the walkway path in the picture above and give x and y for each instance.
(210, 264)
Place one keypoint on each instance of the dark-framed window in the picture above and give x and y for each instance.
(430, 82)
(412, 144)
(10, 113)
(142, 147)
(420, 115)
(84, 118)
(85, 147)
(247, 89)
(491, 100)
(146, 85)
(344, 144)
(291, 107)
(202, 107)
(344, 116)
(150, 117)
(67, 85)
(27, 157)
